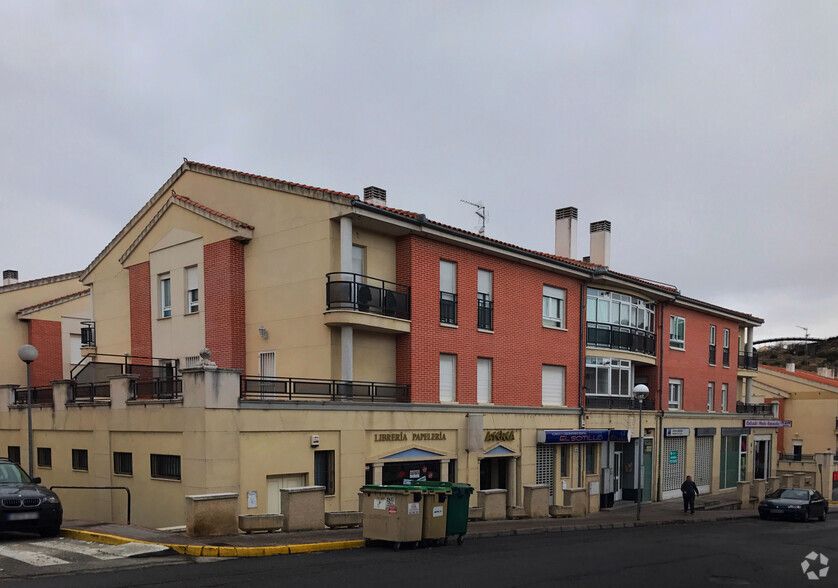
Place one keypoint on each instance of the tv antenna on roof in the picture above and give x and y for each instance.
(806, 334)
(480, 212)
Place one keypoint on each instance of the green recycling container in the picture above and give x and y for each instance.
(457, 510)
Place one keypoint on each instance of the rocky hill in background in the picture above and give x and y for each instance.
(816, 354)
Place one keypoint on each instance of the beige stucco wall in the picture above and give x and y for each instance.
(813, 423)
(15, 331)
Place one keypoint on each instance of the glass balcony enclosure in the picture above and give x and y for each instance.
(620, 321)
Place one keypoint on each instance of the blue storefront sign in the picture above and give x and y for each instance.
(573, 436)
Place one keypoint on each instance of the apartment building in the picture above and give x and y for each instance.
(353, 342)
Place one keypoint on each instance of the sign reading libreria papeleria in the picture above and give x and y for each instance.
(402, 436)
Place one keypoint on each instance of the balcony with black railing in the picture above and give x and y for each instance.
(620, 337)
(485, 313)
(264, 389)
(755, 409)
(619, 402)
(166, 388)
(726, 357)
(447, 308)
(153, 381)
(748, 360)
(88, 334)
(357, 292)
(712, 358)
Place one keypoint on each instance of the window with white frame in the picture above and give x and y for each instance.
(724, 397)
(267, 364)
(484, 380)
(552, 385)
(447, 292)
(615, 308)
(711, 392)
(607, 376)
(358, 265)
(192, 290)
(165, 289)
(676, 393)
(677, 328)
(552, 307)
(485, 310)
(447, 377)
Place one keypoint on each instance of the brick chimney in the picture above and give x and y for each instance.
(9, 277)
(566, 221)
(375, 196)
(601, 243)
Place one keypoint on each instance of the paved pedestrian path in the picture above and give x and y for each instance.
(258, 544)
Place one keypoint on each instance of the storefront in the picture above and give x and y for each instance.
(411, 456)
(733, 456)
(674, 461)
(763, 444)
(703, 465)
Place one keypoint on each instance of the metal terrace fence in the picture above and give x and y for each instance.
(628, 402)
(760, 409)
(350, 291)
(620, 337)
(748, 361)
(40, 395)
(275, 389)
(159, 389)
(91, 379)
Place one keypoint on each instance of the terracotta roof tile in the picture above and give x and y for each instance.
(39, 281)
(267, 179)
(812, 377)
(211, 211)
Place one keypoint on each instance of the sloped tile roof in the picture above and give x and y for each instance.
(53, 302)
(211, 211)
(803, 375)
(40, 282)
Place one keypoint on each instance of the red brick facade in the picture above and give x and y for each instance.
(224, 316)
(139, 285)
(46, 337)
(692, 365)
(519, 345)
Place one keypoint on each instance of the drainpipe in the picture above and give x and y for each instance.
(583, 302)
(660, 415)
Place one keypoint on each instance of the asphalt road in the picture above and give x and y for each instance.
(746, 552)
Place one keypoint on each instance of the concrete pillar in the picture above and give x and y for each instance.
(443, 470)
(748, 382)
(743, 494)
(61, 394)
(826, 465)
(211, 387)
(773, 483)
(758, 489)
(577, 500)
(121, 390)
(7, 396)
(346, 344)
(788, 481)
(511, 481)
(536, 501)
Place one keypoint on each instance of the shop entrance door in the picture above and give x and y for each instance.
(493, 473)
(761, 458)
(618, 475)
(277, 483)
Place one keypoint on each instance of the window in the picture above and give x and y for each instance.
(267, 364)
(724, 397)
(123, 463)
(358, 265)
(564, 468)
(614, 308)
(484, 380)
(552, 307)
(447, 377)
(676, 388)
(726, 349)
(447, 292)
(44, 457)
(677, 326)
(606, 376)
(166, 467)
(485, 309)
(712, 345)
(552, 385)
(13, 453)
(734, 460)
(192, 289)
(80, 459)
(711, 391)
(165, 285)
(590, 458)
(324, 470)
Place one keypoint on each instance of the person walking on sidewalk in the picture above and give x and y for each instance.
(689, 491)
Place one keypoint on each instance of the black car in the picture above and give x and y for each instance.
(26, 506)
(794, 503)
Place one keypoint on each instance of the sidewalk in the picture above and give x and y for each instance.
(260, 544)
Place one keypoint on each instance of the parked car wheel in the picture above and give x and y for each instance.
(823, 515)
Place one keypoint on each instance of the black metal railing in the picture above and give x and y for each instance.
(620, 337)
(90, 392)
(797, 457)
(485, 313)
(726, 356)
(712, 358)
(272, 389)
(761, 409)
(748, 360)
(40, 395)
(350, 291)
(592, 401)
(158, 389)
(448, 308)
(88, 334)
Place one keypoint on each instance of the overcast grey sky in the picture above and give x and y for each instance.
(706, 132)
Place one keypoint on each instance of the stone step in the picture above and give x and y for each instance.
(718, 505)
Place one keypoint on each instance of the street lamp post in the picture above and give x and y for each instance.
(28, 354)
(641, 391)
